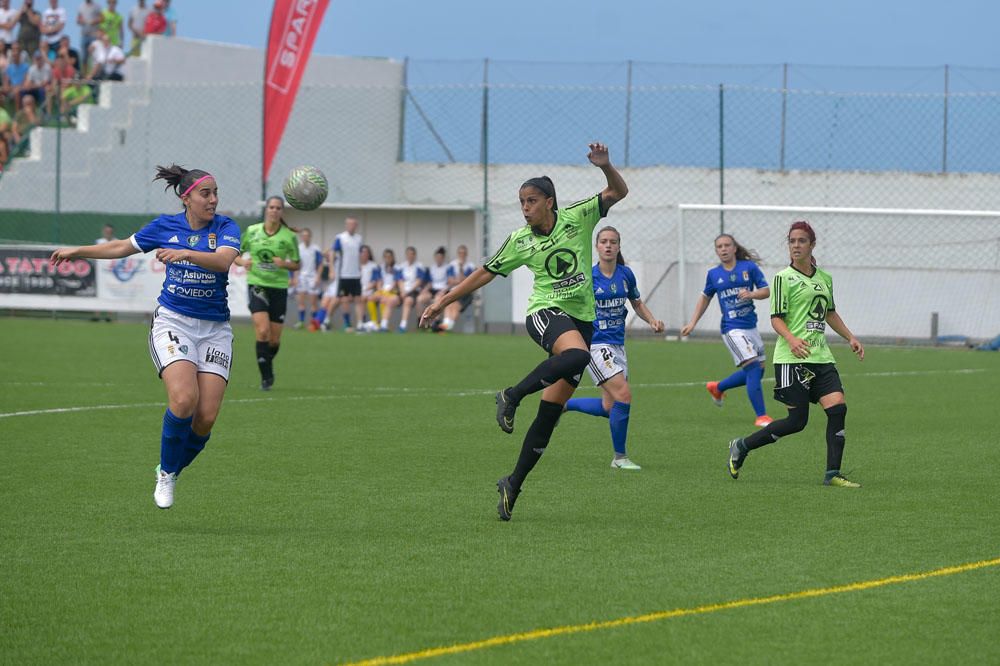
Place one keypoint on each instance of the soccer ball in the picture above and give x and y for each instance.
(306, 188)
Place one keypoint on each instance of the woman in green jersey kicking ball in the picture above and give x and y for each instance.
(801, 307)
(556, 245)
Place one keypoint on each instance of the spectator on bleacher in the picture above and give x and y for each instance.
(137, 24)
(53, 24)
(8, 19)
(25, 119)
(71, 53)
(30, 23)
(458, 269)
(39, 77)
(74, 93)
(107, 60)
(367, 300)
(15, 74)
(410, 283)
(171, 18)
(156, 22)
(89, 19)
(6, 132)
(435, 278)
(386, 284)
(113, 24)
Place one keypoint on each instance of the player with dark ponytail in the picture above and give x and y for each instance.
(271, 253)
(555, 245)
(804, 368)
(190, 339)
(614, 285)
(739, 282)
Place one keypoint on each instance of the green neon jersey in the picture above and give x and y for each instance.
(560, 261)
(263, 248)
(803, 301)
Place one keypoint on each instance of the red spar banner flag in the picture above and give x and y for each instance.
(294, 24)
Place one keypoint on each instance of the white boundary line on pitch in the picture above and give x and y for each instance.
(386, 391)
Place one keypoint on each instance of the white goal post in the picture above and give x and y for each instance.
(895, 270)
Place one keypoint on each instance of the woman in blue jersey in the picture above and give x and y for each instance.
(738, 282)
(614, 284)
(191, 322)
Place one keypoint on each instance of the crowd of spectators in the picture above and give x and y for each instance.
(43, 78)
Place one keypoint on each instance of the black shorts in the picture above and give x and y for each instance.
(271, 300)
(411, 294)
(545, 327)
(798, 384)
(349, 287)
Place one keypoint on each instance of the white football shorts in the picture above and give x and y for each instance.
(306, 283)
(331, 289)
(745, 344)
(175, 337)
(606, 361)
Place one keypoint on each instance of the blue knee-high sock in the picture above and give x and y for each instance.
(302, 315)
(194, 445)
(619, 425)
(738, 378)
(754, 372)
(592, 406)
(175, 432)
(320, 316)
(347, 319)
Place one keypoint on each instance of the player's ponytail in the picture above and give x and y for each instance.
(620, 259)
(742, 253)
(802, 225)
(544, 185)
(179, 178)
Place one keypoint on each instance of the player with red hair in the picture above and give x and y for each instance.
(802, 306)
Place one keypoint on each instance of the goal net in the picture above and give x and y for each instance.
(899, 275)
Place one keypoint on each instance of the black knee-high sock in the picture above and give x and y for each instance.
(263, 360)
(835, 418)
(273, 350)
(536, 439)
(566, 365)
(796, 420)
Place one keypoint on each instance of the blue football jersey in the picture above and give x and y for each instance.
(191, 290)
(610, 295)
(735, 312)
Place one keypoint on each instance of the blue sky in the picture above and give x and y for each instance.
(845, 32)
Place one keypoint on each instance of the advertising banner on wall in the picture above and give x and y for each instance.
(131, 284)
(27, 270)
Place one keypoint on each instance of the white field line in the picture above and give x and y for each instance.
(388, 391)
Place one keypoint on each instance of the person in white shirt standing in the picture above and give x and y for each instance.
(53, 24)
(8, 19)
(347, 254)
(307, 277)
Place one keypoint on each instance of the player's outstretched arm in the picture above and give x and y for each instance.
(115, 249)
(798, 346)
(616, 189)
(699, 310)
(838, 325)
(755, 294)
(647, 316)
(477, 279)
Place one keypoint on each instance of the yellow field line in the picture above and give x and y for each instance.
(667, 615)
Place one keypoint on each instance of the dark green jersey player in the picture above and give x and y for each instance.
(556, 246)
(802, 306)
(273, 250)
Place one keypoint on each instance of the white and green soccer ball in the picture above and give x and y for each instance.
(305, 188)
